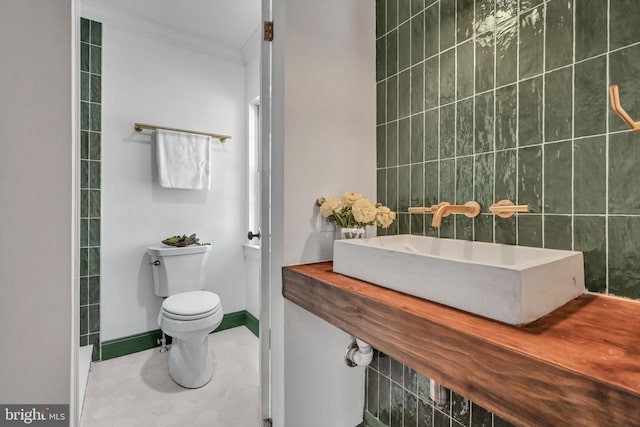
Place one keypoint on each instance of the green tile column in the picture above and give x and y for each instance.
(90, 182)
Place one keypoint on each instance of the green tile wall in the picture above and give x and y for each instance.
(508, 99)
(90, 135)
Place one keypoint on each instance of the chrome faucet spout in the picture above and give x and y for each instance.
(470, 209)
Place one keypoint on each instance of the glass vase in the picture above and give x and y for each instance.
(350, 233)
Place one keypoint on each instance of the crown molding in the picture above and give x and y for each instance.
(101, 12)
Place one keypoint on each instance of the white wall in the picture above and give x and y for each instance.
(323, 144)
(36, 188)
(151, 81)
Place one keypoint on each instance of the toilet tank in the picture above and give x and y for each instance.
(178, 270)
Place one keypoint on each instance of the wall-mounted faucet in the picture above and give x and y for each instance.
(470, 209)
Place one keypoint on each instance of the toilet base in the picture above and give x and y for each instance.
(190, 364)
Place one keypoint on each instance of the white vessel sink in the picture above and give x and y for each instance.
(512, 284)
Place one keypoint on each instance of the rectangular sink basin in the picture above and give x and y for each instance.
(511, 284)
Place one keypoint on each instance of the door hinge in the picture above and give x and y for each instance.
(267, 422)
(268, 31)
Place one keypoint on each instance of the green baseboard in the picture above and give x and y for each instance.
(146, 340)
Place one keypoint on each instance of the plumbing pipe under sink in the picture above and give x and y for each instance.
(359, 353)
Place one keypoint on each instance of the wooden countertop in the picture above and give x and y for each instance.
(579, 365)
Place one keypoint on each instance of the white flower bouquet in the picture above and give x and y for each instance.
(353, 210)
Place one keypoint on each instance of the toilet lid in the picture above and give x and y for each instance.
(190, 304)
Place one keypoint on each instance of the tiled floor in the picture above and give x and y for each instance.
(136, 390)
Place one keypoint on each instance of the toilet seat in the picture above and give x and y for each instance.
(192, 305)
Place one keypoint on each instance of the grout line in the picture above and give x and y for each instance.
(607, 160)
(573, 130)
(543, 124)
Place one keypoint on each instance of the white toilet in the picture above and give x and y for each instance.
(189, 314)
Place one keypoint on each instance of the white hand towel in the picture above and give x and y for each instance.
(184, 160)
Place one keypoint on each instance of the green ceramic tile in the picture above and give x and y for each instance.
(94, 318)
(96, 88)
(85, 31)
(381, 58)
(483, 228)
(624, 259)
(528, 4)
(84, 115)
(447, 228)
(84, 320)
(484, 179)
(464, 180)
(480, 417)
(94, 261)
(392, 14)
(84, 340)
(431, 82)
(447, 131)
(417, 93)
(84, 174)
(506, 169)
(404, 10)
(531, 42)
(464, 19)
(404, 46)
(464, 227)
(464, 127)
(404, 182)
(484, 15)
(422, 386)
(460, 408)
(557, 178)
(447, 77)
(432, 31)
(530, 177)
(392, 53)
(84, 145)
(506, 9)
(558, 109)
(559, 34)
(431, 177)
(404, 223)
(372, 392)
(84, 262)
(84, 203)
(425, 414)
(417, 38)
(396, 371)
(84, 291)
(94, 232)
(404, 94)
(392, 188)
(447, 181)
(505, 230)
(381, 146)
(404, 141)
(484, 123)
(94, 203)
(485, 58)
(95, 121)
(590, 239)
(397, 401)
(590, 103)
(381, 102)
(95, 60)
(624, 181)
(506, 117)
(431, 141)
(530, 112)
(410, 379)
(84, 233)
(94, 339)
(499, 422)
(506, 52)
(94, 146)
(84, 56)
(465, 70)
(440, 419)
(85, 87)
(392, 144)
(381, 17)
(624, 67)
(557, 232)
(447, 23)
(96, 33)
(417, 224)
(94, 175)
(590, 175)
(624, 18)
(392, 98)
(530, 230)
(417, 138)
(381, 187)
(410, 410)
(591, 28)
(416, 6)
